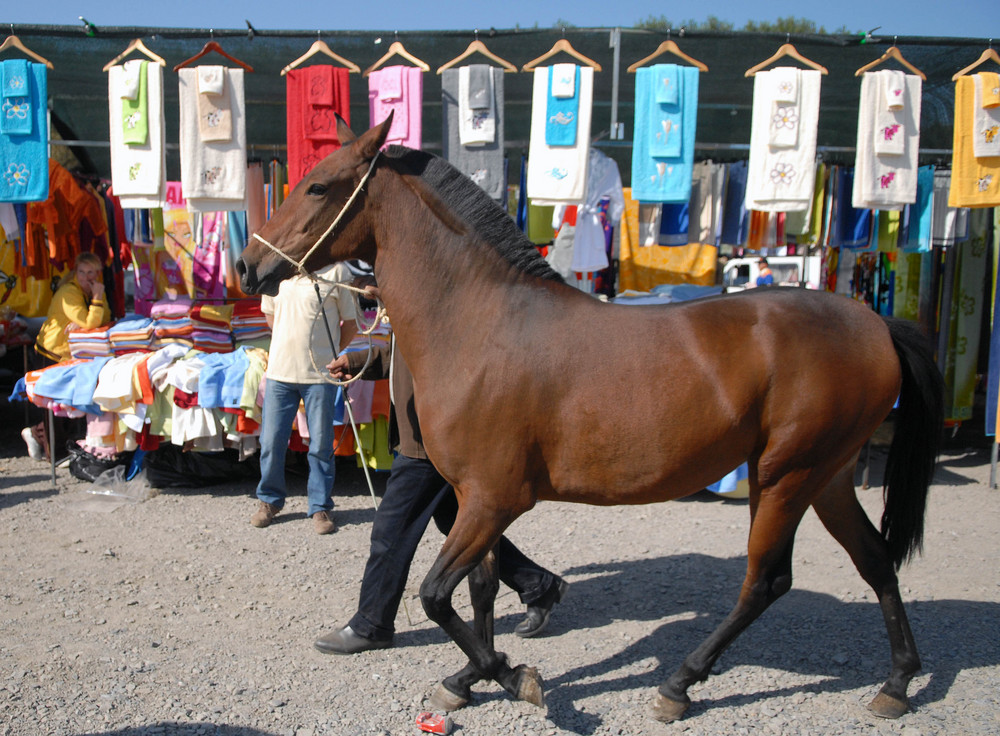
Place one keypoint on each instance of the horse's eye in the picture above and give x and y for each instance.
(317, 189)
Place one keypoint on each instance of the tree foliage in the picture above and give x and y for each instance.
(790, 24)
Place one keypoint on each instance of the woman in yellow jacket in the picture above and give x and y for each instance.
(77, 304)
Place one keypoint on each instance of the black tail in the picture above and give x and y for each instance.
(915, 441)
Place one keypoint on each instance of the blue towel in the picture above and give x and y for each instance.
(917, 216)
(24, 159)
(851, 228)
(667, 84)
(665, 115)
(735, 217)
(561, 115)
(15, 93)
(663, 178)
(674, 223)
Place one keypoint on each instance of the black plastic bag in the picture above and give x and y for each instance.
(170, 467)
(85, 466)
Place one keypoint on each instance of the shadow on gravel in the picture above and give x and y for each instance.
(841, 644)
(172, 728)
(15, 498)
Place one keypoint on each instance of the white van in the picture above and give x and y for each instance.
(741, 273)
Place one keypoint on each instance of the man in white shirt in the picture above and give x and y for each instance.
(300, 350)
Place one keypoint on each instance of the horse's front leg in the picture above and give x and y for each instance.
(465, 547)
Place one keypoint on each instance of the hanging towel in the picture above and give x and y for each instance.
(482, 162)
(213, 173)
(892, 124)
(919, 215)
(734, 218)
(975, 181)
(663, 178)
(24, 158)
(991, 89)
(16, 116)
(886, 181)
(950, 224)
(666, 120)
(559, 173)
(320, 92)
(782, 179)
(135, 107)
(477, 119)
(783, 131)
(215, 117)
(674, 222)
(667, 84)
(399, 89)
(312, 128)
(985, 118)
(894, 89)
(138, 171)
(562, 110)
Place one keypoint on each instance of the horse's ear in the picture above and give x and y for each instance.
(371, 141)
(344, 131)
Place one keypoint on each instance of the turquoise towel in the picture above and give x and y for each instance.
(663, 178)
(15, 92)
(665, 114)
(561, 114)
(667, 83)
(24, 159)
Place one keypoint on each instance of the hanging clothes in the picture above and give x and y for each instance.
(138, 162)
(24, 131)
(315, 96)
(975, 180)
(604, 182)
(400, 90)
(472, 138)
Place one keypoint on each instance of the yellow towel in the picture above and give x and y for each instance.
(975, 182)
(991, 89)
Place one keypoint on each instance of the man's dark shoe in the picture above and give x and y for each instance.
(345, 641)
(537, 616)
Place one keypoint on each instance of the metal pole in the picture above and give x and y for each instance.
(615, 43)
(52, 446)
(993, 465)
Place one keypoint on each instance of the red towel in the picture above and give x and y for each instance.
(312, 127)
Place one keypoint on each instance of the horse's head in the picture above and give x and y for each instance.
(303, 219)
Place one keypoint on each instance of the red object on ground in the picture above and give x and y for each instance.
(434, 723)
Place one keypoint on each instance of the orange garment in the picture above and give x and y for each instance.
(53, 230)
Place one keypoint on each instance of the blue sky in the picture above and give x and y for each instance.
(957, 18)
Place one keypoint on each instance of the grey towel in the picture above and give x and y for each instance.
(483, 164)
(479, 85)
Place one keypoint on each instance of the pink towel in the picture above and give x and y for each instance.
(407, 110)
(391, 84)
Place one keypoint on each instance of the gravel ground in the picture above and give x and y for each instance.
(175, 616)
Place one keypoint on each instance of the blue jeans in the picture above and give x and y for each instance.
(281, 402)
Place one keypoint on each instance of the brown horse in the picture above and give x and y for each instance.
(529, 390)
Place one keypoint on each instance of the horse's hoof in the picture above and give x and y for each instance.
(529, 685)
(445, 700)
(886, 706)
(667, 710)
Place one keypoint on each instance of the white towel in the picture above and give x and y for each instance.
(563, 80)
(986, 124)
(894, 89)
(138, 171)
(886, 182)
(784, 129)
(890, 122)
(559, 173)
(782, 179)
(211, 79)
(130, 79)
(476, 126)
(213, 174)
(786, 84)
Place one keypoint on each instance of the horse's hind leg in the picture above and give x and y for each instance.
(769, 576)
(843, 517)
(484, 583)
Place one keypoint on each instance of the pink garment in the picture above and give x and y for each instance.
(406, 104)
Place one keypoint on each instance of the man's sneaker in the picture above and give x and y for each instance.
(323, 524)
(264, 514)
(35, 449)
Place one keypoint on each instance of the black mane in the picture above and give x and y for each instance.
(467, 200)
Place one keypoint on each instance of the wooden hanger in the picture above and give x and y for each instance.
(786, 49)
(668, 46)
(208, 47)
(561, 45)
(320, 47)
(891, 53)
(13, 41)
(479, 46)
(135, 45)
(988, 55)
(398, 48)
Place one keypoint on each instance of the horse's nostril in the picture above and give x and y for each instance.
(241, 267)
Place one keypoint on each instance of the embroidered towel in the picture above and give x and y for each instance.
(666, 83)
(24, 159)
(399, 89)
(991, 89)
(213, 173)
(559, 173)
(135, 107)
(886, 181)
(215, 117)
(15, 111)
(562, 110)
(663, 178)
(477, 120)
(320, 92)
(784, 129)
(138, 171)
(894, 86)
(985, 120)
(482, 162)
(891, 122)
(667, 116)
(975, 181)
(312, 128)
(782, 179)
